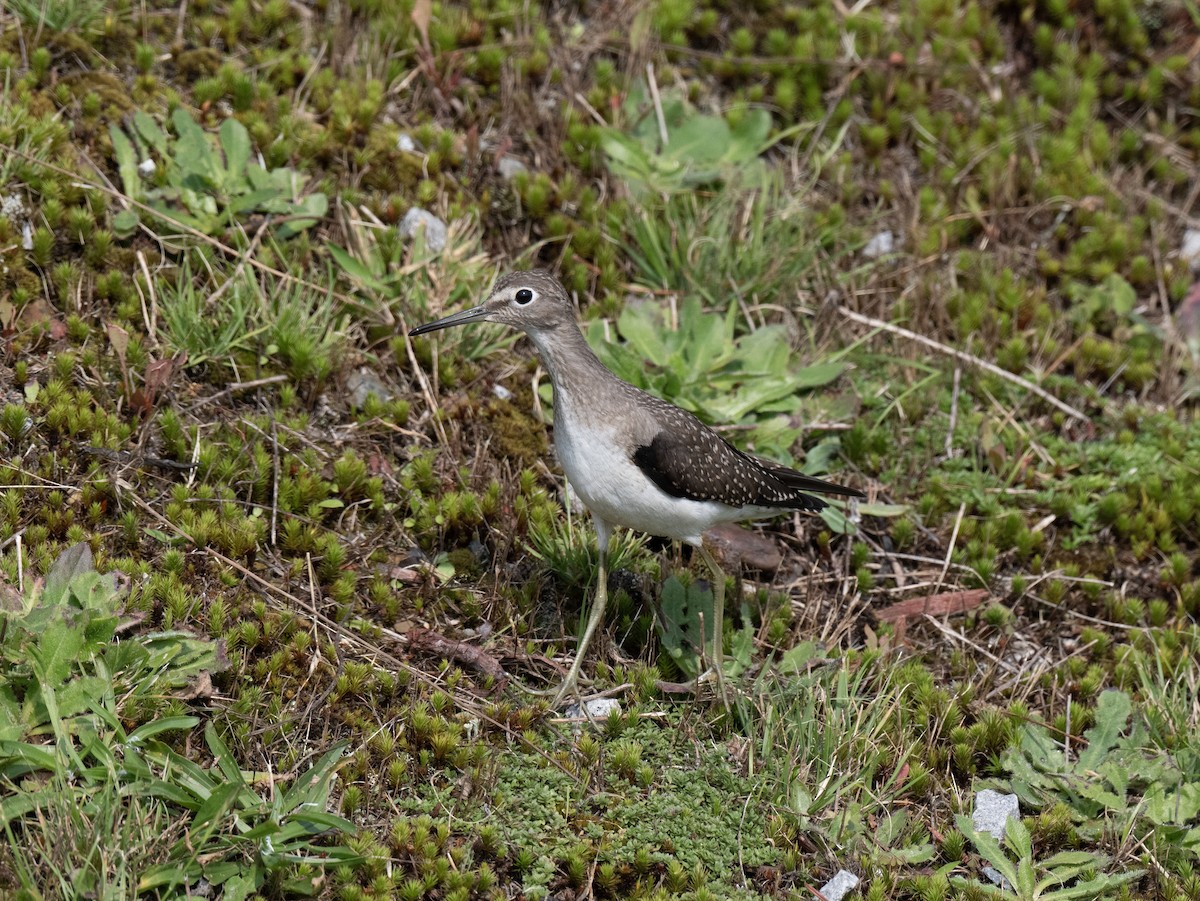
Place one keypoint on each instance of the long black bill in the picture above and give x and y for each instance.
(447, 321)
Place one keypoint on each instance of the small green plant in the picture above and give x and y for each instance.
(57, 15)
(206, 183)
(1063, 876)
(568, 548)
(207, 325)
(684, 148)
(685, 624)
(400, 278)
(93, 804)
(305, 330)
(706, 367)
(1119, 774)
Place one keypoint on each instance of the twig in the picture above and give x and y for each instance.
(274, 482)
(149, 316)
(962, 508)
(964, 357)
(954, 633)
(953, 412)
(658, 110)
(237, 386)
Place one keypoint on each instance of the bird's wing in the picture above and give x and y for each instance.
(687, 459)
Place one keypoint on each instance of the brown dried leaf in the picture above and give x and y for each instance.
(119, 339)
(422, 14)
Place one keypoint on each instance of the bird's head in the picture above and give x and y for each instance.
(532, 301)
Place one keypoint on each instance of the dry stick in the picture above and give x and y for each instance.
(966, 358)
(658, 110)
(235, 387)
(427, 391)
(274, 481)
(150, 317)
(953, 413)
(962, 508)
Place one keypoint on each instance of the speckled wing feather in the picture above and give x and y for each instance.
(688, 459)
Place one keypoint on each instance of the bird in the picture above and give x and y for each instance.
(635, 460)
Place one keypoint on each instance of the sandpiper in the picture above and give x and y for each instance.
(635, 460)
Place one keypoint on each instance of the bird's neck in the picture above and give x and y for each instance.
(572, 365)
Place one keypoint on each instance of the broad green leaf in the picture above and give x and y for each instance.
(193, 153)
(57, 650)
(354, 268)
(641, 325)
(1112, 712)
(313, 787)
(748, 138)
(165, 724)
(837, 521)
(146, 128)
(127, 161)
(17, 758)
(700, 141)
(212, 812)
(235, 141)
(74, 561)
(683, 609)
(624, 150)
(795, 660)
(125, 223)
(12, 727)
(988, 848)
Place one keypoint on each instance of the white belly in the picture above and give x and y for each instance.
(618, 492)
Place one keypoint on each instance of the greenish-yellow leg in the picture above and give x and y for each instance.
(570, 685)
(717, 660)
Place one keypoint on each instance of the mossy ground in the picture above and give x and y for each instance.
(180, 395)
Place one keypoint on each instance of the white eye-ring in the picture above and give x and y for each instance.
(524, 296)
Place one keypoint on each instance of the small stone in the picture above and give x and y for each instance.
(501, 392)
(1189, 249)
(406, 143)
(997, 878)
(363, 382)
(880, 244)
(510, 167)
(146, 167)
(436, 230)
(26, 236)
(835, 889)
(595, 709)
(12, 206)
(992, 812)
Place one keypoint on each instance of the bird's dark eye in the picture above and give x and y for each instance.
(524, 296)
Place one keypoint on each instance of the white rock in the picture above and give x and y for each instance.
(406, 143)
(835, 889)
(882, 243)
(12, 206)
(595, 709)
(26, 236)
(435, 229)
(510, 167)
(992, 812)
(501, 392)
(146, 167)
(363, 382)
(998, 878)
(1189, 248)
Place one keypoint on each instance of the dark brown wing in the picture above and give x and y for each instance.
(688, 459)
